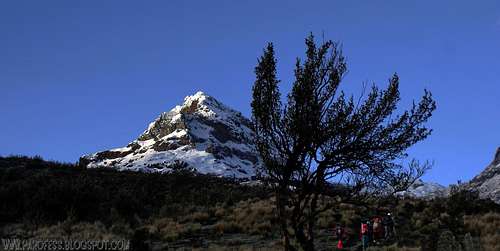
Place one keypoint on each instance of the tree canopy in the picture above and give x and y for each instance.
(321, 136)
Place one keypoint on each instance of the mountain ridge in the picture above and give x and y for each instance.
(206, 136)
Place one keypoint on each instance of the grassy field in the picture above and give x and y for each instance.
(183, 210)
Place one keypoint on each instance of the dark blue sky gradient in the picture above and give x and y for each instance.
(81, 76)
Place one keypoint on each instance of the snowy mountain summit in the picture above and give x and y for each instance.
(202, 133)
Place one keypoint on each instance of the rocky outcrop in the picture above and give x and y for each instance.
(202, 133)
(487, 183)
(427, 190)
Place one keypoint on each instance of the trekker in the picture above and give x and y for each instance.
(388, 226)
(370, 231)
(364, 234)
(340, 233)
(378, 229)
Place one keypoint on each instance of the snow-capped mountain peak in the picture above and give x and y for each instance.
(202, 132)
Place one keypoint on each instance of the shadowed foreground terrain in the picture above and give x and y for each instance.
(50, 200)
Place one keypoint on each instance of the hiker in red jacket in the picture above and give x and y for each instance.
(365, 239)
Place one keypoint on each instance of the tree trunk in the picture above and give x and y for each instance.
(312, 221)
(303, 221)
(281, 201)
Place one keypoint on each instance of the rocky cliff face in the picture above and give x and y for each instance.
(202, 133)
(488, 181)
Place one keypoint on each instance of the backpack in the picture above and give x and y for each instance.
(364, 228)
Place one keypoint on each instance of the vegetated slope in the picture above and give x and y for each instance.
(184, 209)
(49, 192)
(203, 133)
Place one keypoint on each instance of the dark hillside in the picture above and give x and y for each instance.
(42, 199)
(48, 192)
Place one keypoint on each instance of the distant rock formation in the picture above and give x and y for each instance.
(427, 190)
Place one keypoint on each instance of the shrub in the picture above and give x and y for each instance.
(227, 227)
(447, 242)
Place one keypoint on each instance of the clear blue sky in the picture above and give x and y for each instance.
(81, 76)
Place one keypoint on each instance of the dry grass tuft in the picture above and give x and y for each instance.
(487, 228)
